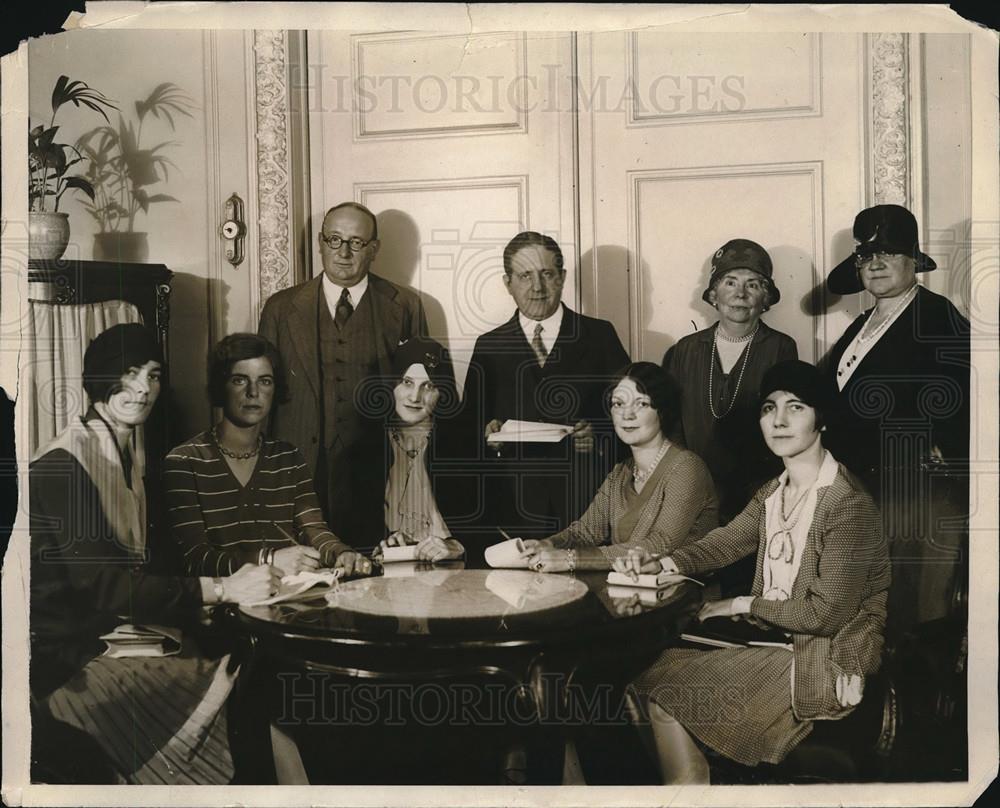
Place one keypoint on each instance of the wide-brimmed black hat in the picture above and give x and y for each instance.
(741, 253)
(888, 229)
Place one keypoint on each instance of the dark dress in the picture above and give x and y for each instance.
(731, 446)
(908, 394)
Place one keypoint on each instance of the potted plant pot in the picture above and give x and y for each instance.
(123, 247)
(48, 235)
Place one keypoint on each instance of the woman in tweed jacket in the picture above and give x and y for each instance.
(659, 500)
(822, 575)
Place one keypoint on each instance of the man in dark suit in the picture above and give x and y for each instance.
(549, 364)
(903, 427)
(334, 333)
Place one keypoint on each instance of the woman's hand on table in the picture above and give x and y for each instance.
(295, 559)
(434, 548)
(542, 557)
(353, 563)
(638, 561)
(251, 583)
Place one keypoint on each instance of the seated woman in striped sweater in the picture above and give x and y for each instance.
(235, 497)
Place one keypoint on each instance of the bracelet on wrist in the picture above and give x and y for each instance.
(219, 590)
(571, 560)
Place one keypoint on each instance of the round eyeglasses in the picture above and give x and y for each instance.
(333, 241)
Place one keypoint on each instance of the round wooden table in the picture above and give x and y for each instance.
(549, 642)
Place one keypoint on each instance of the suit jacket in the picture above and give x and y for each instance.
(837, 609)
(914, 379)
(289, 321)
(505, 382)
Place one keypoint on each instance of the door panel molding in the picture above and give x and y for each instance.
(636, 180)
(813, 63)
(363, 45)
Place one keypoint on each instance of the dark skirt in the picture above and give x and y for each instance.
(738, 701)
(160, 720)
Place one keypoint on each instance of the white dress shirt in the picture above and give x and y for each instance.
(332, 292)
(550, 328)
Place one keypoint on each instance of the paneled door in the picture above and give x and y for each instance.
(456, 143)
(689, 140)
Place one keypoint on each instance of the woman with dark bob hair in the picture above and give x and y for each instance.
(233, 496)
(659, 499)
(822, 575)
(158, 719)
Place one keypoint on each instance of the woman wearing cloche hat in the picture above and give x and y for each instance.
(902, 368)
(721, 368)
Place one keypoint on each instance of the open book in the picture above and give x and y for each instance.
(130, 640)
(649, 580)
(293, 586)
(529, 432)
(725, 632)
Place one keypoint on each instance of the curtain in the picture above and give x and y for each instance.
(58, 336)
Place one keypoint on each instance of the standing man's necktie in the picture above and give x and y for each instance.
(538, 346)
(344, 309)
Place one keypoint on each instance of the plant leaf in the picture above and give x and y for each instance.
(81, 184)
(161, 198)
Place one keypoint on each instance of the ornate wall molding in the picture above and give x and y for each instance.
(889, 179)
(273, 184)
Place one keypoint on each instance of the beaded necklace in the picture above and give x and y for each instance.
(237, 455)
(711, 368)
(639, 477)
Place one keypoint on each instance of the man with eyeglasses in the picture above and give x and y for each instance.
(546, 364)
(334, 332)
(902, 368)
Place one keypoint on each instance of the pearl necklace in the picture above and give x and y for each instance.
(882, 326)
(639, 477)
(876, 332)
(719, 333)
(237, 455)
(711, 370)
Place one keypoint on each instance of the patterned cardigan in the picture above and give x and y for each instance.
(682, 508)
(837, 609)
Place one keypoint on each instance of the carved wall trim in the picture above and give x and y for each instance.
(274, 237)
(888, 108)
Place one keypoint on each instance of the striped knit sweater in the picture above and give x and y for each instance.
(221, 525)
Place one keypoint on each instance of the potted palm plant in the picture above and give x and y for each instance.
(49, 163)
(122, 172)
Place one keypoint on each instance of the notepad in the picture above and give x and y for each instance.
(649, 580)
(130, 640)
(407, 552)
(647, 596)
(293, 586)
(514, 431)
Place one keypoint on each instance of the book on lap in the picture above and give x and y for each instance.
(130, 640)
(726, 632)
